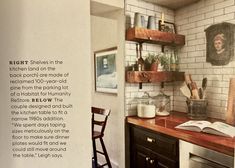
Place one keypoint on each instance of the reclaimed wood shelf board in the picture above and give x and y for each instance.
(142, 35)
(153, 76)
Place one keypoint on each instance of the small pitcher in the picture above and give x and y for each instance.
(139, 20)
(151, 23)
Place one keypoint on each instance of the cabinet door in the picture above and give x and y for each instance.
(140, 157)
(159, 161)
(144, 158)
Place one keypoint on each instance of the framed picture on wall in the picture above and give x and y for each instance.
(105, 70)
(220, 43)
(168, 27)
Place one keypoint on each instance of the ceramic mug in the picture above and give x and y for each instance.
(139, 20)
(151, 23)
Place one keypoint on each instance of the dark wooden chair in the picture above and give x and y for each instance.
(101, 122)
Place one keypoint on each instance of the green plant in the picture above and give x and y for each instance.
(164, 60)
(151, 58)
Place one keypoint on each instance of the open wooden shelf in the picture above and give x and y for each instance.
(153, 76)
(142, 35)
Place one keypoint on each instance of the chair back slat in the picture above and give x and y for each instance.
(101, 123)
(102, 112)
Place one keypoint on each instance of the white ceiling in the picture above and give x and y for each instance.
(172, 4)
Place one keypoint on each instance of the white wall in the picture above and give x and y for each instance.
(107, 32)
(192, 21)
(49, 30)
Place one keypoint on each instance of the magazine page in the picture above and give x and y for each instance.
(194, 125)
(220, 128)
(45, 118)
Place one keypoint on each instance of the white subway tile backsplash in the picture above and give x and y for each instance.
(151, 13)
(213, 113)
(227, 71)
(182, 22)
(190, 21)
(220, 84)
(231, 64)
(196, 66)
(215, 103)
(225, 90)
(224, 4)
(201, 35)
(146, 5)
(195, 54)
(131, 52)
(223, 18)
(201, 47)
(127, 8)
(180, 98)
(183, 66)
(187, 60)
(208, 21)
(224, 103)
(212, 2)
(218, 12)
(200, 71)
(200, 59)
(133, 2)
(138, 9)
(228, 77)
(215, 96)
(196, 30)
(191, 37)
(191, 48)
(197, 18)
(214, 77)
(190, 71)
(215, 71)
(131, 89)
(217, 90)
(198, 78)
(188, 26)
(128, 61)
(205, 9)
(230, 9)
(196, 42)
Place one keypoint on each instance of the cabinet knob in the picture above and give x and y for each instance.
(147, 158)
(151, 161)
(150, 140)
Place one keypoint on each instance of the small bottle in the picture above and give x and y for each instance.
(172, 62)
(166, 61)
(177, 62)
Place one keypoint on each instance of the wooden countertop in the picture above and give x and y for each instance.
(166, 125)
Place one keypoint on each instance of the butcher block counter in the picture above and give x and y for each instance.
(166, 125)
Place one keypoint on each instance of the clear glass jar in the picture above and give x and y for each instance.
(162, 103)
(145, 106)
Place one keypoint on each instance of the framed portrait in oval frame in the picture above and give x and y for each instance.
(220, 43)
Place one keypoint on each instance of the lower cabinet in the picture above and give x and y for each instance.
(152, 150)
